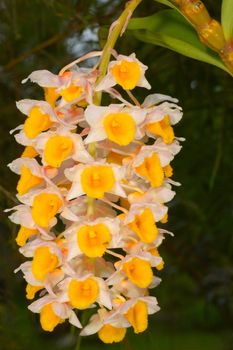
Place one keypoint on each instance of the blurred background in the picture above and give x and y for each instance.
(196, 294)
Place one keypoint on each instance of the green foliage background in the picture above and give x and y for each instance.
(196, 295)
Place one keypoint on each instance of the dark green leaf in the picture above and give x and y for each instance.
(169, 29)
(168, 3)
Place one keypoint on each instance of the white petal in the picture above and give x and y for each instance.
(93, 326)
(154, 99)
(22, 216)
(162, 194)
(44, 78)
(137, 113)
(93, 114)
(75, 191)
(104, 294)
(80, 153)
(26, 105)
(30, 163)
(37, 305)
(107, 82)
(118, 321)
(143, 82)
(61, 310)
(69, 215)
(19, 127)
(155, 282)
(152, 304)
(73, 319)
(73, 174)
(22, 139)
(96, 134)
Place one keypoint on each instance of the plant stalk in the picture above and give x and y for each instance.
(209, 30)
(119, 27)
(78, 344)
(113, 36)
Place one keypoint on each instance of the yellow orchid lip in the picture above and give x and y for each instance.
(72, 92)
(57, 149)
(44, 208)
(23, 235)
(152, 170)
(110, 334)
(51, 95)
(96, 180)
(144, 226)
(154, 251)
(27, 181)
(120, 128)
(93, 239)
(36, 123)
(29, 152)
(137, 316)
(163, 129)
(126, 73)
(32, 290)
(139, 272)
(44, 262)
(48, 319)
(83, 293)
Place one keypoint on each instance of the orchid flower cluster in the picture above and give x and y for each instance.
(94, 185)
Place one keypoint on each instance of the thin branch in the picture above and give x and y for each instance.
(37, 48)
(8, 195)
(111, 41)
(51, 41)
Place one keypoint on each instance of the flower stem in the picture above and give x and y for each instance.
(118, 29)
(120, 25)
(78, 344)
(133, 98)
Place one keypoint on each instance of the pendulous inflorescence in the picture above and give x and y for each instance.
(94, 185)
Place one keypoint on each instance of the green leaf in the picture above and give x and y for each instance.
(168, 3)
(169, 29)
(227, 18)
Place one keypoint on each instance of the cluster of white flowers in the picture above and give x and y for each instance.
(94, 183)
